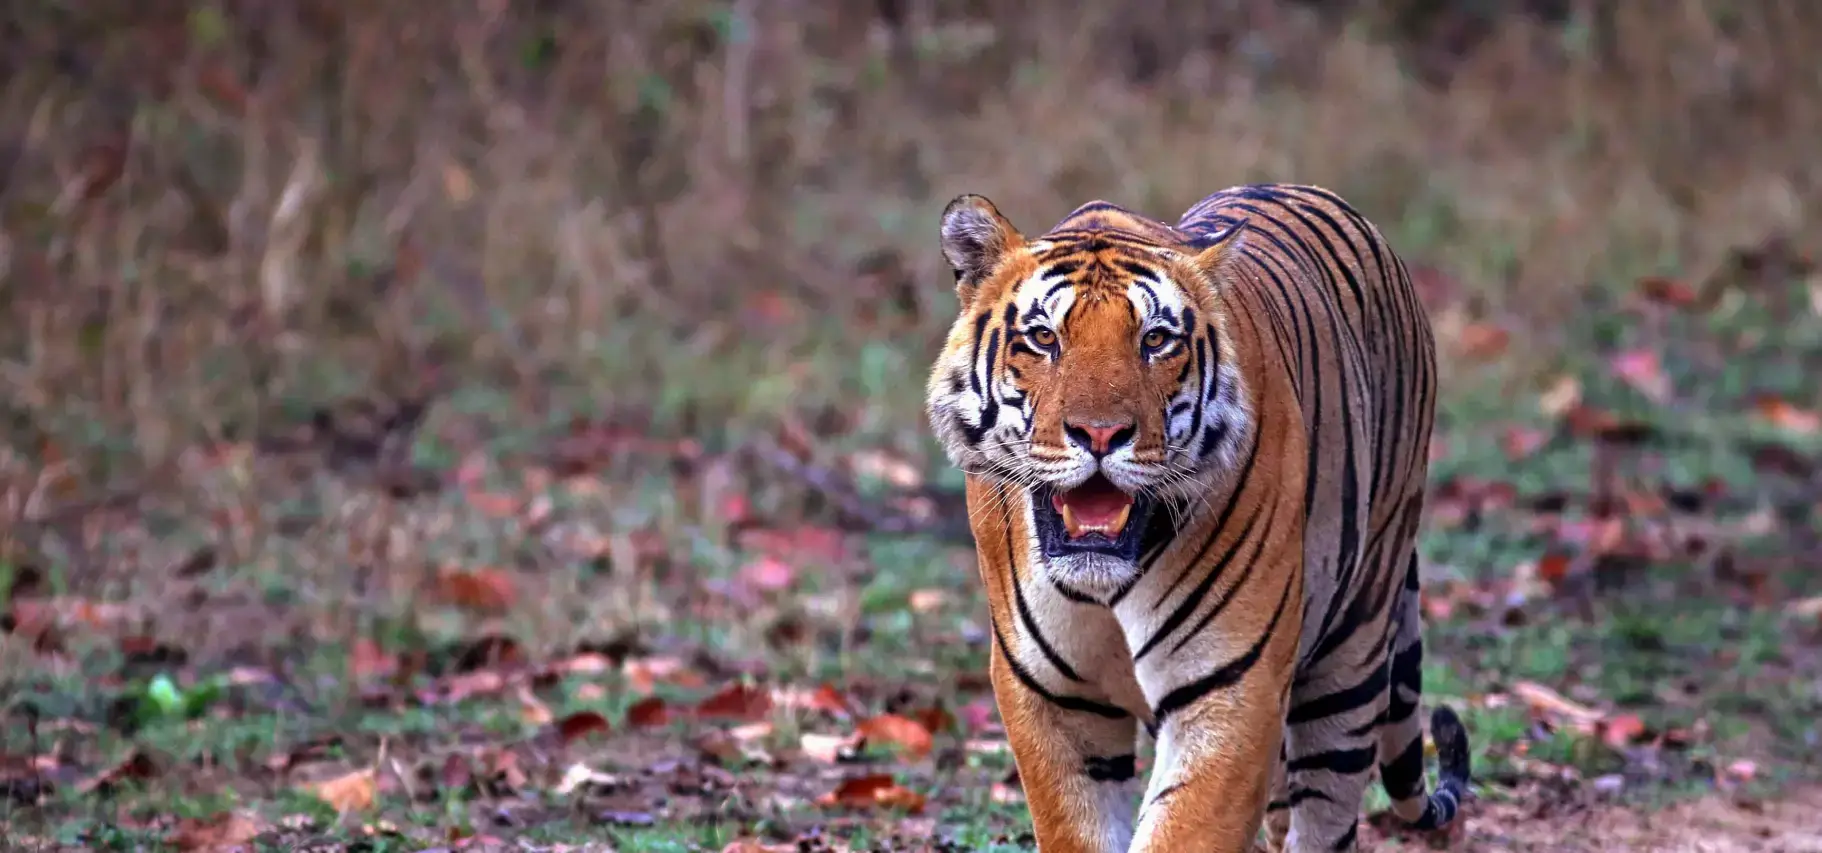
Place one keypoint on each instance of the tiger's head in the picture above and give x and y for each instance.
(1090, 366)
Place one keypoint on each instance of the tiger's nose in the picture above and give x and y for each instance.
(1099, 438)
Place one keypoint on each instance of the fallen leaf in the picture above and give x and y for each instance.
(872, 791)
(1483, 341)
(927, 600)
(1644, 371)
(137, 766)
(894, 729)
(827, 748)
(645, 673)
(353, 792)
(1668, 291)
(650, 711)
(768, 573)
(1742, 770)
(825, 698)
(532, 709)
(1519, 442)
(1621, 730)
(1782, 414)
(579, 775)
(220, 832)
(881, 465)
(1545, 700)
(1562, 395)
(367, 661)
(737, 702)
(486, 590)
(580, 725)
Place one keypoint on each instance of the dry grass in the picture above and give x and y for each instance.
(213, 210)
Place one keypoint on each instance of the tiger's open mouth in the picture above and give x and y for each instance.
(1095, 517)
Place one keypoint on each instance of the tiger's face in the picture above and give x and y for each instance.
(1089, 366)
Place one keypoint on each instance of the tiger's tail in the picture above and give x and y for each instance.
(1401, 740)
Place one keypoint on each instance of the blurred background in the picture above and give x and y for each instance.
(408, 404)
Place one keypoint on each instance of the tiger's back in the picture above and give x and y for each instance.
(1197, 456)
(1349, 321)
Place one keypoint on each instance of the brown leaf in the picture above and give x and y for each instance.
(366, 660)
(582, 724)
(532, 709)
(894, 729)
(650, 711)
(1621, 730)
(872, 791)
(737, 702)
(1782, 414)
(1519, 442)
(486, 590)
(927, 600)
(1483, 341)
(645, 673)
(224, 831)
(353, 792)
(1644, 371)
(137, 766)
(1549, 702)
(825, 698)
(456, 772)
(1562, 395)
(1668, 291)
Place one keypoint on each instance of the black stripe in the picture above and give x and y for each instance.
(1345, 762)
(1193, 600)
(1067, 703)
(1214, 532)
(1347, 839)
(1037, 636)
(1341, 701)
(1228, 674)
(1116, 768)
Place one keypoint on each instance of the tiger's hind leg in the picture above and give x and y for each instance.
(1278, 811)
(1401, 738)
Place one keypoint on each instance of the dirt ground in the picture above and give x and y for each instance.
(1716, 824)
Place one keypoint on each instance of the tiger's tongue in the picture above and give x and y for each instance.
(1097, 506)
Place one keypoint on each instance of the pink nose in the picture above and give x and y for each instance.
(1099, 437)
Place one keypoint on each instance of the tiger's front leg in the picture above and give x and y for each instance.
(1075, 759)
(1219, 691)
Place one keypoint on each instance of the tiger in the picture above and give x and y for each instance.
(1195, 459)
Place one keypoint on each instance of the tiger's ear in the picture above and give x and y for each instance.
(1217, 250)
(975, 238)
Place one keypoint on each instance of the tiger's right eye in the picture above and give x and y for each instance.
(1042, 337)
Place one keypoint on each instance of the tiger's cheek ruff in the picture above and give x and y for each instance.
(980, 413)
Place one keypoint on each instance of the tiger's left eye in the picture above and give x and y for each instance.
(1156, 338)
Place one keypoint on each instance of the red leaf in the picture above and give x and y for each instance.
(1622, 730)
(741, 702)
(651, 711)
(366, 660)
(487, 590)
(1520, 442)
(1668, 291)
(768, 573)
(872, 791)
(1782, 414)
(909, 734)
(580, 725)
(1644, 371)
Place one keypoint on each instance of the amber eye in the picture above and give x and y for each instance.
(1042, 337)
(1156, 338)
